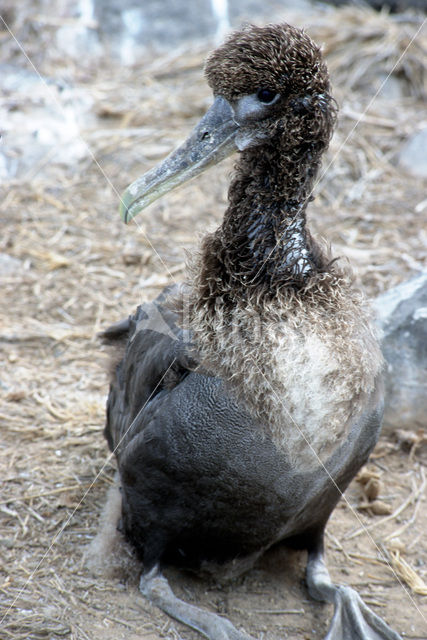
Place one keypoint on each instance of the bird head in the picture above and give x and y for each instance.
(271, 87)
(276, 82)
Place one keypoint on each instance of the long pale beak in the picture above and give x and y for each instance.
(212, 140)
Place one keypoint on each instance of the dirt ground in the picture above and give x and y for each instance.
(72, 268)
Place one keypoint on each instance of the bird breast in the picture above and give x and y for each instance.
(303, 368)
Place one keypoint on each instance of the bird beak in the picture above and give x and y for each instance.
(212, 140)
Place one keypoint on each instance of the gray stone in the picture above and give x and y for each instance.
(402, 317)
(9, 265)
(40, 122)
(413, 155)
(395, 6)
(125, 30)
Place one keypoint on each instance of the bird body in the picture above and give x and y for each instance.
(226, 485)
(245, 401)
(306, 366)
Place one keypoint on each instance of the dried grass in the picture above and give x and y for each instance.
(82, 270)
(408, 574)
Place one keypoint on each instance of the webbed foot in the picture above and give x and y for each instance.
(154, 586)
(352, 619)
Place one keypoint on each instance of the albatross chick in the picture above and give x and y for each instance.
(246, 401)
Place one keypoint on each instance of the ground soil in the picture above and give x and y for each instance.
(77, 269)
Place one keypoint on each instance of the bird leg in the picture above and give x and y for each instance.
(155, 587)
(352, 619)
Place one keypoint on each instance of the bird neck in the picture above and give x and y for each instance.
(262, 246)
(263, 235)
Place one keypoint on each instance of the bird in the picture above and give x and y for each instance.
(243, 401)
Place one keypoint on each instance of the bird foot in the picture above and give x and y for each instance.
(155, 587)
(352, 619)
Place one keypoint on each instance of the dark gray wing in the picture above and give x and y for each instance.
(155, 355)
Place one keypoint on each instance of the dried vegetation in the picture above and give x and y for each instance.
(79, 270)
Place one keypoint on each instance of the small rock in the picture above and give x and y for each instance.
(7, 542)
(413, 155)
(9, 265)
(402, 317)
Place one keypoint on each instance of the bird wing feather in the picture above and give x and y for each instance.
(155, 354)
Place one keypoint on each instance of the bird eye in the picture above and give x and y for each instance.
(266, 95)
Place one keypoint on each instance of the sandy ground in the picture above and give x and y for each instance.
(72, 268)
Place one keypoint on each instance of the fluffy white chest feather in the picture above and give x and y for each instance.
(315, 400)
(304, 370)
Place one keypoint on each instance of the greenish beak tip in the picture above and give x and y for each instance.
(212, 140)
